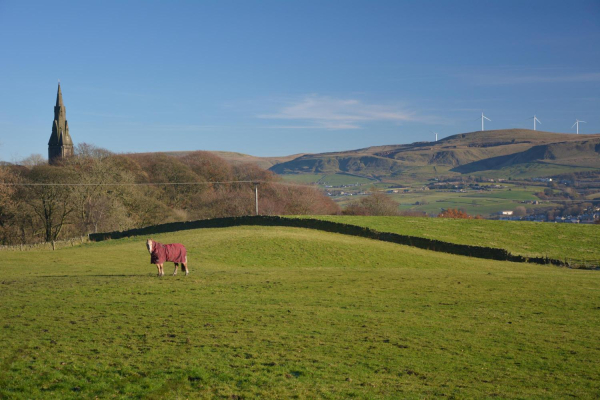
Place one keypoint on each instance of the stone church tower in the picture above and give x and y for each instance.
(60, 145)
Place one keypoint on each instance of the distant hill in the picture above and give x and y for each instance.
(475, 152)
(240, 158)
(263, 162)
(502, 153)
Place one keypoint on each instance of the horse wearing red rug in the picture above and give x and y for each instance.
(160, 253)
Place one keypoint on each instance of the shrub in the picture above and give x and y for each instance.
(375, 204)
(454, 213)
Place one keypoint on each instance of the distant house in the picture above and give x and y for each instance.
(505, 213)
(589, 218)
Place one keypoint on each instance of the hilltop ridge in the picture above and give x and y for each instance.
(472, 152)
(516, 152)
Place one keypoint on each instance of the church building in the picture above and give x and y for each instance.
(60, 145)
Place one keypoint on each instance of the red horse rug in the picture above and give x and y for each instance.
(160, 253)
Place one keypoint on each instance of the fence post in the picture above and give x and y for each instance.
(53, 245)
(256, 197)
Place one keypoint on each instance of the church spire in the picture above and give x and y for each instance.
(59, 100)
(60, 144)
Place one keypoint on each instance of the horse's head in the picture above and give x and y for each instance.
(149, 245)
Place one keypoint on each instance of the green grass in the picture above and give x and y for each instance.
(472, 206)
(302, 178)
(484, 207)
(474, 203)
(326, 179)
(531, 170)
(293, 313)
(344, 179)
(533, 239)
(519, 195)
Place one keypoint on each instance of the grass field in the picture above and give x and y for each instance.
(532, 239)
(326, 179)
(432, 201)
(474, 203)
(531, 170)
(293, 313)
(302, 178)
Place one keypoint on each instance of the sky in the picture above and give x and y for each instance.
(274, 78)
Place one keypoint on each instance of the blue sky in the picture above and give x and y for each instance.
(282, 77)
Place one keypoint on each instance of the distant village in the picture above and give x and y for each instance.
(590, 216)
(583, 213)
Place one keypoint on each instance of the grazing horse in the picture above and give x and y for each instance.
(159, 253)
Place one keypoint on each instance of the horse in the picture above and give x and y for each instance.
(175, 253)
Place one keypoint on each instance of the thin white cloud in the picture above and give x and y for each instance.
(334, 113)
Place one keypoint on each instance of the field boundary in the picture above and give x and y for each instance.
(53, 245)
(489, 253)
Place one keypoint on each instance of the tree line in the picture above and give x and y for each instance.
(98, 191)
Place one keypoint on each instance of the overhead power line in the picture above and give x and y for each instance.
(129, 183)
(150, 183)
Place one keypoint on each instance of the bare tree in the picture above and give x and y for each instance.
(33, 160)
(8, 206)
(377, 203)
(50, 201)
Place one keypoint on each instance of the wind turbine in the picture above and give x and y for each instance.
(482, 117)
(535, 119)
(436, 134)
(577, 123)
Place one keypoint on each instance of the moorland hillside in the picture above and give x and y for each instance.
(510, 150)
(463, 153)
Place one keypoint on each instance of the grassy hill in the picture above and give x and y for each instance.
(263, 162)
(516, 150)
(283, 312)
(238, 158)
(531, 239)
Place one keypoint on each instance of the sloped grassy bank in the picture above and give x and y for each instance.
(577, 243)
(362, 230)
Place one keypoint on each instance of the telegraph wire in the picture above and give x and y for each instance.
(128, 183)
(254, 182)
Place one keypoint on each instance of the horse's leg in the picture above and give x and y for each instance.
(158, 268)
(185, 267)
(162, 271)
(175, 272)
